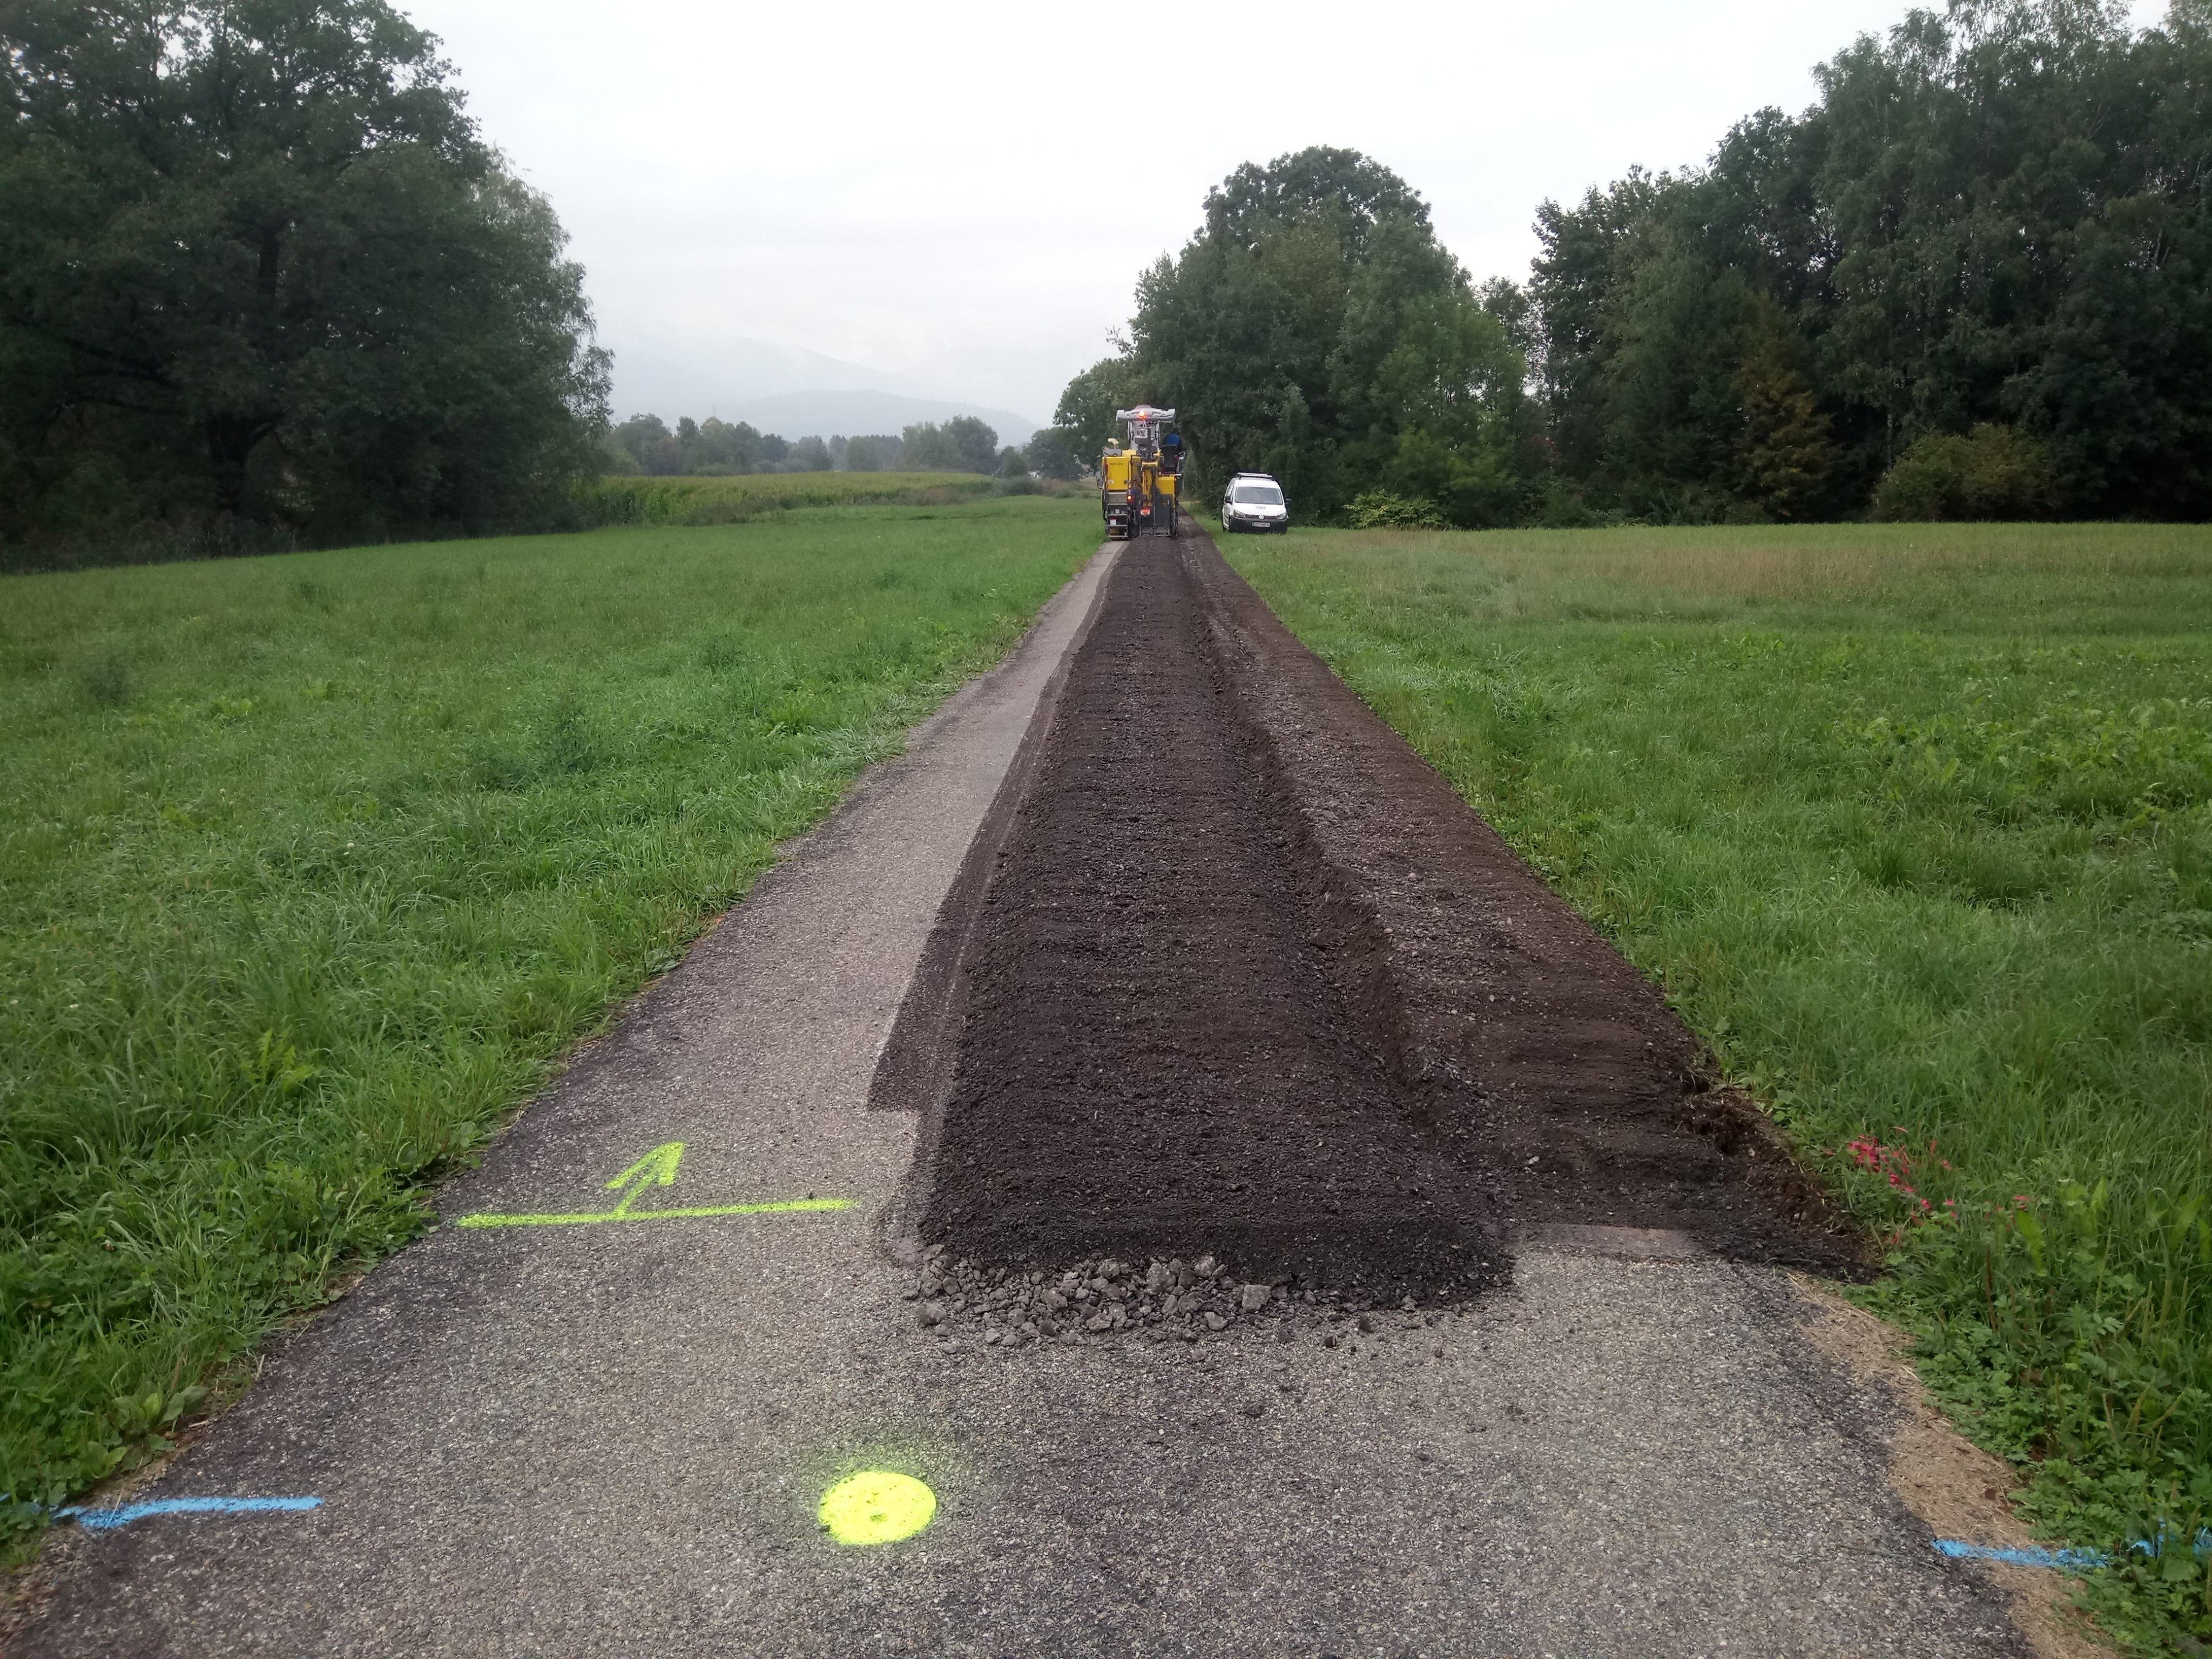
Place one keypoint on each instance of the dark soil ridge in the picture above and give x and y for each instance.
(1233, 973)
(1579, 1063)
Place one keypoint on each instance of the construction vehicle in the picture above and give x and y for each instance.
(1138, 485)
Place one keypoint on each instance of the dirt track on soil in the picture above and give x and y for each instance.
(1239, 974)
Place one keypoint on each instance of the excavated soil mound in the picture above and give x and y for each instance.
(1233, 973)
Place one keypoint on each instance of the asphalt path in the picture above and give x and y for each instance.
(610, 1436)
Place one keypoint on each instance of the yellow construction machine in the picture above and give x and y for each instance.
(1138, 485)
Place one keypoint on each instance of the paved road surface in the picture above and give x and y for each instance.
(610, 1439)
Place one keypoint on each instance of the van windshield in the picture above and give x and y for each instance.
(1256, 495)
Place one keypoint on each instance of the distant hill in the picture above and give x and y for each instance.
(825, 414)
(671, 375)
(784, 389)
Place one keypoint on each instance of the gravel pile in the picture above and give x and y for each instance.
(1159, 1301)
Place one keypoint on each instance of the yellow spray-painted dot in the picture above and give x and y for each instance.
(877, 1506)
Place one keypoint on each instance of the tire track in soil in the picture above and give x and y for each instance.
(1245, 978)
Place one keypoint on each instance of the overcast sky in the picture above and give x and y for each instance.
(960, 197)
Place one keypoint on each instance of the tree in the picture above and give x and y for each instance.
(727, 446)
(1048, 455)
(872, 453)
(257, 263)
(1994, 216)
(973, 442)
(2017, 189)
(1254, 204)
(926, 446)
(1785, 457)
(1315, 328)
(658, 452)
(1671, 418)
(1012, 463)
(809, 454)
(1585, 252)
(713, 445)
(616, 459)
(1992, 472)
(773, 451)
(1085, 418)
(962, 444)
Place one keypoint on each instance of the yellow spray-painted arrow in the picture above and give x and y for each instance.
(656, 1169)
(658, 1165)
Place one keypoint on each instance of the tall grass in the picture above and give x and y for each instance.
(1914, 825)
(734, 499)
(312, 866)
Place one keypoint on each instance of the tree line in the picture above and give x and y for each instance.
(261, 276)
(643, 444)
(263, 280)
(1974, 279)
(264, 283)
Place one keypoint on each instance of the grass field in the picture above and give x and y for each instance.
(1914, 825)
(312, 866)
(734, 499)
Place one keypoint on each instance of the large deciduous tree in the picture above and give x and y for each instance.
(1085, 418)
(257, 265)
(1314, 328)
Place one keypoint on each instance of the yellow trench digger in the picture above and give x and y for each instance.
(1138, 486)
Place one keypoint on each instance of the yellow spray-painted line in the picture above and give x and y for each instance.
(656, 1169)
(785, 1208)
(875, 1506)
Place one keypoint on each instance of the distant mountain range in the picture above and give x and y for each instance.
(780, 389)
(825, 414)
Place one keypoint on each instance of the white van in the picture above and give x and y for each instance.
(1254, 501)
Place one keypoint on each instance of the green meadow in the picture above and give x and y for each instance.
(1913, 824)
(312, 868)
(746, 496)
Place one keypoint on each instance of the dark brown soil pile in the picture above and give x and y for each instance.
(1236, 975)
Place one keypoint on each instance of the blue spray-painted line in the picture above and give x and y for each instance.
(2057, 1560)
(105, 1520)
(2071, 1560)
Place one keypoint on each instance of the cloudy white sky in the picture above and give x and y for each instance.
(959, 198)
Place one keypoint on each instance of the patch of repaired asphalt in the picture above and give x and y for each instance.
(611, 1440)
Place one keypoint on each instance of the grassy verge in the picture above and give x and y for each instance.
(632, 501)
(312, 866)
(1914, 825)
